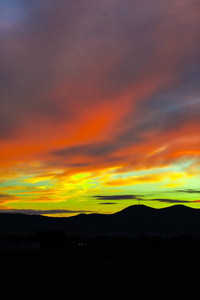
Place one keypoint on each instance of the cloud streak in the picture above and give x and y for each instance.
(171, 201)
(190, 191)
(5, 198)
(42, 212)
(139, 197)
(118, 197)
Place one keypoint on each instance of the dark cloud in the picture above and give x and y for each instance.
(190, 191)
(93, 155)
(138, 197)
(97, 149)
(5, 196)
(101, 152)
(162, 113)
(171, 200)
(118, 197)
(43, 212)
(107, 203)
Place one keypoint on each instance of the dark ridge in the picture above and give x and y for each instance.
(135, 209)
(179, 207)
(136, 220)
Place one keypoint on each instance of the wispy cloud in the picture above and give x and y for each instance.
(171, 201)
(140, 197)
(42, 211)
(189, 191)
(4, 198)
(107, 203)
(118, 197)
(135, 180)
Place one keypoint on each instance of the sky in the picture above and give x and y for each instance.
(100, 105)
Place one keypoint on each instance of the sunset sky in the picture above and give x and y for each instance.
(99, 105)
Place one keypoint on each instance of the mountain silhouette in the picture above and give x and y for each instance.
(136, 220)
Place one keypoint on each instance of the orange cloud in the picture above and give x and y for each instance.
(152, 178)
(6, 198)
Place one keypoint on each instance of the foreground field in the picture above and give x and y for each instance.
(144, 256)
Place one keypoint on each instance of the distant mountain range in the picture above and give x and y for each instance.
(136, 220)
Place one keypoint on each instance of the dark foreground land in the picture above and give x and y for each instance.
(139, 250)
(82, 264)
(47, 251)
